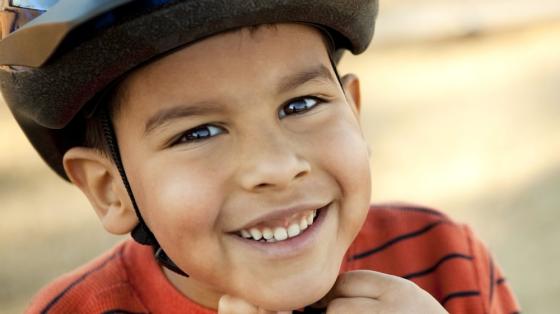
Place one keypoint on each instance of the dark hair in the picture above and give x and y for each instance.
(94, 130)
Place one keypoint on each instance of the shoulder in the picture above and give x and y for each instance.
(442, 256)
(99, 286)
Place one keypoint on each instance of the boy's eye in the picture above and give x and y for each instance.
(199, 133)
(297, 106)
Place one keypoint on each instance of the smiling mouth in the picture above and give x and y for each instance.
(290, 228)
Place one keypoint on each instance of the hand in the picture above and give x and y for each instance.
(232, 305)
(364, 291)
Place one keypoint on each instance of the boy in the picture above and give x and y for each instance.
(234, 152)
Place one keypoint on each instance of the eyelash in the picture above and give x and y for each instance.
(194, 135)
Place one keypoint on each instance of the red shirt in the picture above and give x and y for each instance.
(419, 244)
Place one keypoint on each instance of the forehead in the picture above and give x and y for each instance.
(229, 60)
(270, 42)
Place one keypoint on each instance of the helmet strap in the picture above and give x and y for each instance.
(333, 64)
(141, 233)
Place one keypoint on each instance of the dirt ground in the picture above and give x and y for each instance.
(468, 126)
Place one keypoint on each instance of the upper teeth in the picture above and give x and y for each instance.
(273, 234)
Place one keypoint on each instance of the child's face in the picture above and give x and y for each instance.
(247, 129)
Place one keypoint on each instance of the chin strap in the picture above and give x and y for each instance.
(141, 233)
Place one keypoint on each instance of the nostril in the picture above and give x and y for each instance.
(280, 180)
(301, 174)
(272, 171)
(262, 185)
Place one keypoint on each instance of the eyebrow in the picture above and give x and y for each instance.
(318, 72)
(181, 111)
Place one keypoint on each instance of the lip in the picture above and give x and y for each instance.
(281, 214)
(292, 246)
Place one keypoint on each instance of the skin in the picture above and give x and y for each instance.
(260, 159)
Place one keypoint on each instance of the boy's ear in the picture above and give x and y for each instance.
(351, 85)
(98, 178)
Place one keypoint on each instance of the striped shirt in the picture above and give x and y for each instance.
(419, 244)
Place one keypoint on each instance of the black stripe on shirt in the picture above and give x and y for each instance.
(459, 294)
(500, 281)
(437, 264)
(417, 209)
(77, 281)
(397, 239)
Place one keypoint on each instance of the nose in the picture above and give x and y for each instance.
(271, 161)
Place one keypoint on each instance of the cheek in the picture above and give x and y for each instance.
(345, 157)
(178, 201)
(344, 153)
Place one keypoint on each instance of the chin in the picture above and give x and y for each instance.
(294, 294)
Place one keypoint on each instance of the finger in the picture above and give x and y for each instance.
(389, 294)
(353, 305)
(364, 284)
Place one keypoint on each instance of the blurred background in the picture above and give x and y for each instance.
(462, 112)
